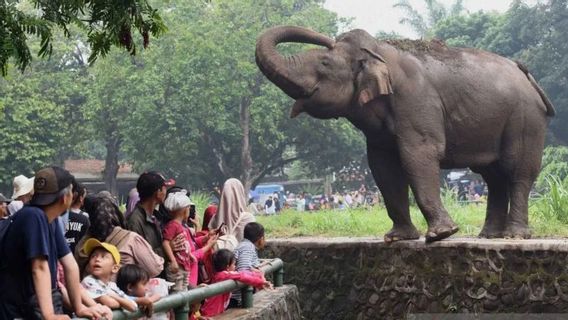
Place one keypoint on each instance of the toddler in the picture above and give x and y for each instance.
(224, 263)
(132, 280)
(104, 263)
(177, 204)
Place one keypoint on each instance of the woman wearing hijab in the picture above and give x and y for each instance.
(107, 225)
(232, 212)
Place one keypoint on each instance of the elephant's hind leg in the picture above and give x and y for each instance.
(497, 202)
(392, 182)
(520, 160)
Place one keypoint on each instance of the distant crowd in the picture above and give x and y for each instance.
(65, 252)
(304, 201)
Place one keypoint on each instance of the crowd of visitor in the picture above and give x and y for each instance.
(65, 252)
(304, 201)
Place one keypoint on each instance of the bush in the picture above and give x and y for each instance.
(552, 203)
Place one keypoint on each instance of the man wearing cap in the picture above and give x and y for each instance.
(152, 192)
(32, 246)
(23, 190)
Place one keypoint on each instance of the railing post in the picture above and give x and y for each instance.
(182, 313)
(246, 296)
(279, 277)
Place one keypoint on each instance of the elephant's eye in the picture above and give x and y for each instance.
(325, 63)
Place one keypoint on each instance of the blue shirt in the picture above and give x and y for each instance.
(30, 236)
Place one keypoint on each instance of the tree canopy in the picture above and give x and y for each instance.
(534, 35)
(107, 23)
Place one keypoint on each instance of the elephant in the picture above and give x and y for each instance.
(422, 107)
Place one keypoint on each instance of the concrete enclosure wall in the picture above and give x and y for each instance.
(364, 278)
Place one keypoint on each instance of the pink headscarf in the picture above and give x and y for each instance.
(233, 209)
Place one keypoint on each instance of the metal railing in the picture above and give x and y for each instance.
(180, 301)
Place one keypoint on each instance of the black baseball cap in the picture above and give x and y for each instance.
(48, 184)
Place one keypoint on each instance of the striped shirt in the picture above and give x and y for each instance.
(247, 258)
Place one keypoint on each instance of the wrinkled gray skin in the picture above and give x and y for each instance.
(423, 108)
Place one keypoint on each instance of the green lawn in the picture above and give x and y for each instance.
(375, 222)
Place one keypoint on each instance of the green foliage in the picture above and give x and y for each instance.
(374, 222)
(435, 12)
(552, 204)
(554, 164)
(201, 200)
(107, 23)
(534, 35)
(204, 94)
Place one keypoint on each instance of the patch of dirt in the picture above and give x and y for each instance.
(420, 48)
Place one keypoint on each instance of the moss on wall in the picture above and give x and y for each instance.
(362, 278)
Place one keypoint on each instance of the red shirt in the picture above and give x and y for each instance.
(171, 230)
(217, 304)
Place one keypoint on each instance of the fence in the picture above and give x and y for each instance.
(180, 302)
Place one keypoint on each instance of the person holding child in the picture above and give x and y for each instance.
(224, 263)
(104, 263)
(183, 263)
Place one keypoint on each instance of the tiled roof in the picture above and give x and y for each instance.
(92, 166)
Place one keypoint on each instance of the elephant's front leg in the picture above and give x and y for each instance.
(422, 167)
(391, 180)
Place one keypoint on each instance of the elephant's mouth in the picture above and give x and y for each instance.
(299, 105)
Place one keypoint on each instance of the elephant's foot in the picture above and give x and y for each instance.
(517, 232)
(402, 233)
(441, 231)
(491, 233)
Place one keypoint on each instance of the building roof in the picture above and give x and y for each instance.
(87, 169)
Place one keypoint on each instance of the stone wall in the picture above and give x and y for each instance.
(364, 278)
(279, 304)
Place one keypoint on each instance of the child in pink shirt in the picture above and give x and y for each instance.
(224, 263)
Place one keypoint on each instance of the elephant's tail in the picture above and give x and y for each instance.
(549, 107)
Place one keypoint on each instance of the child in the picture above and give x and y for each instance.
(132, 280)
(247, 256)
(178, 204)
(224, 263)
(104, 262)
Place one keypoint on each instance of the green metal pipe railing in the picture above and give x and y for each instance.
(180, 301)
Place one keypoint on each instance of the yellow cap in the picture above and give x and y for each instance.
(92, 243)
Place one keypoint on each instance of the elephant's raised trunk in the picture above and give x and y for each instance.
(280, 70)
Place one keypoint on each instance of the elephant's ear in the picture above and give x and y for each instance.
(373, 79)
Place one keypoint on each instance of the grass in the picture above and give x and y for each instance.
(548, 217)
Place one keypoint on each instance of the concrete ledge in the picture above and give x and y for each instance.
(365, 278)
(279, 304)
(493, 244)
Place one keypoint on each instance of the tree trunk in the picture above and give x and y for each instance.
(111, 163)
(246, 157)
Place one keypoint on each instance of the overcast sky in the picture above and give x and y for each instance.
(379, 15)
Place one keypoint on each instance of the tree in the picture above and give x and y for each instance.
(435, 13)
(107, 23)
(41, 114)
(533, 35)
(222, 117)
